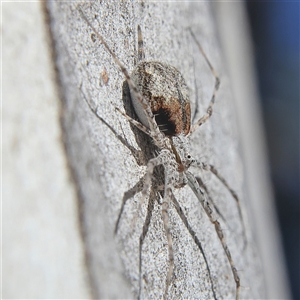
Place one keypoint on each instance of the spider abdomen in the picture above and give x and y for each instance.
(164, 88)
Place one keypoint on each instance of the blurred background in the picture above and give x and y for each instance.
(275, 33)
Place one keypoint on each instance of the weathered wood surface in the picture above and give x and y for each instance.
(106, 158)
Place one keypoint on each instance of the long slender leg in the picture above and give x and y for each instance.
(159, 160)
(137, 124)
(141, 52)
(209, 110)
(151, 119)
(212, 169)
(166, 221)
(196, 94)
(193, 183)
(136, 153)
(162, 158)
(203, 186)
(195, 238)
(128, 195)
(142, 238)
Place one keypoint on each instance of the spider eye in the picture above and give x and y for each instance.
(189, 157)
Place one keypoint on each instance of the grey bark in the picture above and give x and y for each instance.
(106, 168)
(107, 157)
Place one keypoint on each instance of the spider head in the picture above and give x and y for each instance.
(187, 161)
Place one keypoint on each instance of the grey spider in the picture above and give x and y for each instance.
(161, 101)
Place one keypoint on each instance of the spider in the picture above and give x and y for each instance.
(160, 98)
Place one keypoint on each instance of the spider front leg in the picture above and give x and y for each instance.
(137, 124)
(193, 183)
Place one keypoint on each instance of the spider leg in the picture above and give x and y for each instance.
(137, 124)
(138, 187)
(165, 158)
(196, 94)
(195, 238)
(94, 109)
(193, 183)
(166, 221)
(142, 238)
(161, 159)
(212, 169)
(141, 52)
(209, 110)
(151, 119)
(203, 186)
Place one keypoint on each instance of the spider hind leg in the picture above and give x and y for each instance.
(193, 183)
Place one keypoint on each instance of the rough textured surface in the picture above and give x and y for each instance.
(42, 250)
(108, 156)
